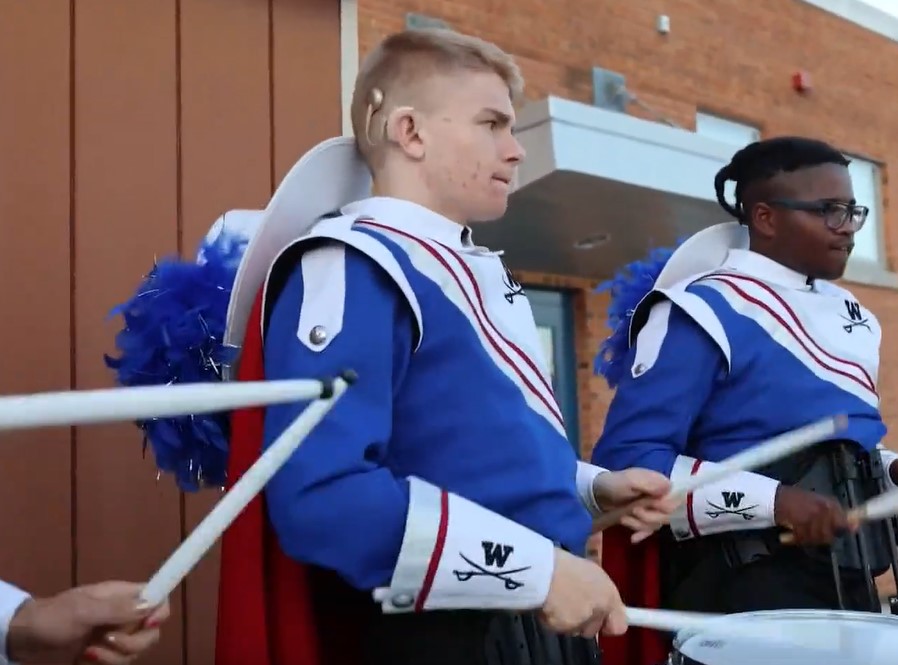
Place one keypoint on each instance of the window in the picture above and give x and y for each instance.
(735, 134)
(865, 177)
(555, 323)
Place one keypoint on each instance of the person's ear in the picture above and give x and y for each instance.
(404, 129)
(762, 219)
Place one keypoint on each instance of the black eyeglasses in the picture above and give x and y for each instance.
(835, 214)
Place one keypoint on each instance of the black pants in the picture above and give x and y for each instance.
(472, 638)
(787, 579)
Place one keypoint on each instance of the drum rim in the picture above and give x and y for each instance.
(829, 615)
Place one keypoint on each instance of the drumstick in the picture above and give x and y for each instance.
(878, 508)
(666, 620)
(729, 626)
(756, 456)
(201, 539)
(83, 407)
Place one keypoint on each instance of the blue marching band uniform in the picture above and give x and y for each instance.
(727, 348)
(443, 480)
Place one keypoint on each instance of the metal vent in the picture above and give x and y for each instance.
(609, 90)
(420, 21)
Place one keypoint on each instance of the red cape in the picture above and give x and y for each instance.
(267, 609)
(635, 570)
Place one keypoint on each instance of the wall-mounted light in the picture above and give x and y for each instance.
(592, 241)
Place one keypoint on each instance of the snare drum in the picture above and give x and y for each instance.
(812, 637)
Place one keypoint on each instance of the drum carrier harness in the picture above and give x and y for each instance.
(840, 469)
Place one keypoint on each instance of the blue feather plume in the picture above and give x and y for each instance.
(173, 332)
(628, 287)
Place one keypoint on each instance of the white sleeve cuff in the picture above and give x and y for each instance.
(739, 502)
(458, 555)
(888, 457)
(11, 599)
(586, 475)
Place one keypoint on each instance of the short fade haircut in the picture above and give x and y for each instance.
(406, 58)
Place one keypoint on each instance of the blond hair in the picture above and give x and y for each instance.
(409, 57)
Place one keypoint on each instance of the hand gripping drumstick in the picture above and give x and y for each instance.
(201, 539)
(878, 508)
(83, 407)
(756, 456)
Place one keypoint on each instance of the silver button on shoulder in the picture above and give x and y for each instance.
(318, 335)
(639, 370)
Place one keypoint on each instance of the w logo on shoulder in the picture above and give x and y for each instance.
(513, 286)
(855, 317)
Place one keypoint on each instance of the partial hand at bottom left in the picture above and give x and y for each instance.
(97, 623)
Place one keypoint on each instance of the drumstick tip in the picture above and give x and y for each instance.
(350, 376)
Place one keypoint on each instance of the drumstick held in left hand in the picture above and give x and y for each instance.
(204, 536)
(756, 456)
(211, 528)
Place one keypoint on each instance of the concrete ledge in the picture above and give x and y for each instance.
(600, 188)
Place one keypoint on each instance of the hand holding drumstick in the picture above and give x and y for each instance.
(753, 458)
(881, 507)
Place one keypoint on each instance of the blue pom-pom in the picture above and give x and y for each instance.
(173, 332)
(628, 287)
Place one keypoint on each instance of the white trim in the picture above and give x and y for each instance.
(340, 229)
(758, 302)
(742, 501)
(703, 314)
(446, 268)
(349, 57)
(456, 554)
(863, 14)
(324, 296)
(11, 599)
(585, 479)
(651, 339)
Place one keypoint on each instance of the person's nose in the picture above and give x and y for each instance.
(515, 152)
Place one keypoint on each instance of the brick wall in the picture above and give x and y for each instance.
(732, 58)
(728, 57)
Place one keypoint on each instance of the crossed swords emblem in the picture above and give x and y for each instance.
(505, 575)
(720, 510)
(854, 323)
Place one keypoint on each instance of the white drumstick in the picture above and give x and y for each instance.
(201, 539)
(878, 508)
(764, 453)
(83, 407)
(756, 456)
(667, 620)
(729, 627)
